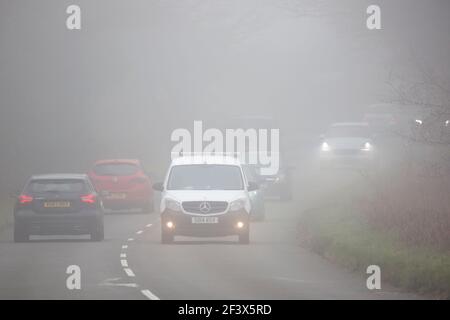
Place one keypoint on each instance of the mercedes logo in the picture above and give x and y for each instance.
(205, 207)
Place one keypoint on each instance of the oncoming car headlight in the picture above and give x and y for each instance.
(237, 205)
(367, 147)
(172, 205)
(325, 147)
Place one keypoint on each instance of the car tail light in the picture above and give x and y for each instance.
(25, 199)
(90, 198)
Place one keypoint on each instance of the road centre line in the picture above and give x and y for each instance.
(129, 272)
(149, 295)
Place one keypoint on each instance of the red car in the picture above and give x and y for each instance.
(123, 184)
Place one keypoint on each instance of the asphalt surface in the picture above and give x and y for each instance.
(132, 264)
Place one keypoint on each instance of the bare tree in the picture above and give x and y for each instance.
(425, 95)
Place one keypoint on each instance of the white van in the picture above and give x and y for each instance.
(205, 196)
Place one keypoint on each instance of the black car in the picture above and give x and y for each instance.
(58, 205)
(279, 185)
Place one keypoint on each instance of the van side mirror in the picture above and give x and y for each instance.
(158, 186)
(252, 186)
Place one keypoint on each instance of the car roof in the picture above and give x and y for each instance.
(59, 176)
(349, 124)
(205, 159)
(124, 161)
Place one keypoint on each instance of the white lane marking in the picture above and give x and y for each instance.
(128, 285)
(149, 295)
(113, 282)
(129, 272)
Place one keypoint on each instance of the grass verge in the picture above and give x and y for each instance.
(343, 236)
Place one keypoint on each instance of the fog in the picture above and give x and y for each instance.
(139, 69)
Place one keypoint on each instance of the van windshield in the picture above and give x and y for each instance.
(205, 177)
(348, 131)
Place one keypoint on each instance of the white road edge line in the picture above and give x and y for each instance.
(124, 263)
(149, 295)
(129, 272)
(123, 255)
(139, 232)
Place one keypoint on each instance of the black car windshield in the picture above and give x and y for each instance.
(115, 169)
(205, 177)
(252, 173)
(348, 131)
(57, 186)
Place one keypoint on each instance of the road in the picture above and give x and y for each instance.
(132, 264)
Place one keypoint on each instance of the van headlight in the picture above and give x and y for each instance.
(325, 146)
(172, 205)
(367, 147)
(237, 205)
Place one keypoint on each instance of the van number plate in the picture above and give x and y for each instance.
(205, 220)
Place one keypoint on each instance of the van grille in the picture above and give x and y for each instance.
(205, 207)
